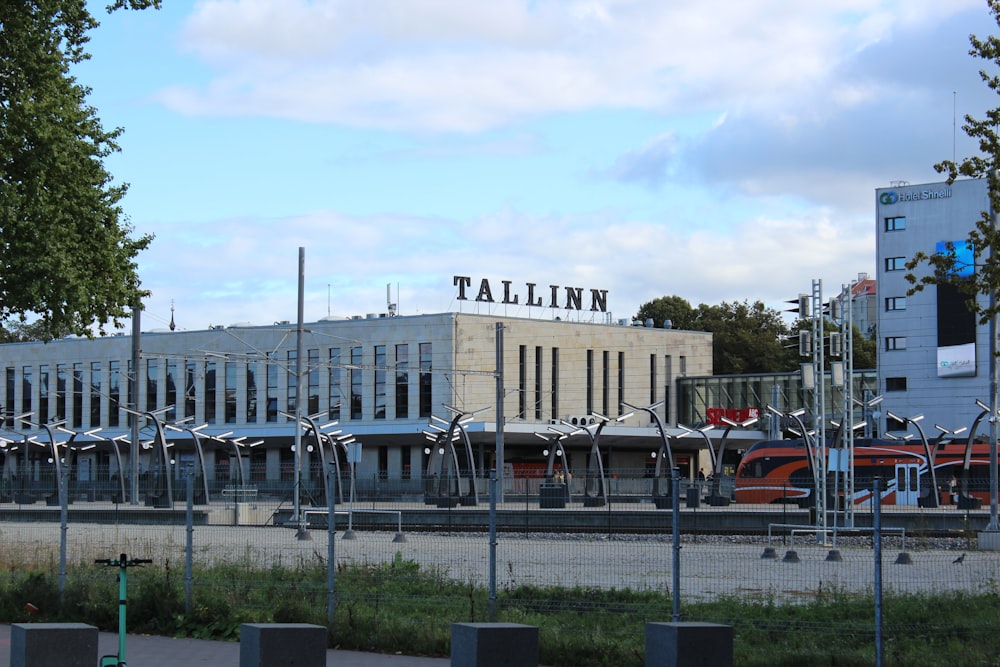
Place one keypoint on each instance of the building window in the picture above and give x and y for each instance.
(403, 386)
(26, 381)
(230, 392)
(77, 395)
(312, 395)
(292, 382)
(43, 394)
(251, 415)
(335, 393)
(895, 343)
(621, 382)
(356, 380)
(425, 396)
(114, 393)
(210, 392)
(895, 303)
(171, 389)
(190, 389)
(652, 379)
(589, 392)
(538, 383)
(95, 394)
(8, 405)
(61, 392)
(895, 384)
(555, 383)
(522, 381)
(152, 370)
(895, 263)
(380, 377)
(895, 224)
(272, 393)
(605, 383)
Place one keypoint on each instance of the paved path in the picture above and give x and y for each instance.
(146, 651)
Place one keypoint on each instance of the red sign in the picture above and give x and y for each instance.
(738, 415)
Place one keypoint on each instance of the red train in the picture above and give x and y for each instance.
(778, 471)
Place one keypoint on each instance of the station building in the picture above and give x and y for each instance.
(933, 355)
(385, 379)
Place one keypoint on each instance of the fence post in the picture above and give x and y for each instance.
(877, 537)
(189, 544)
(675, 491)
(493, 545)
(331, 531)
(63, 528)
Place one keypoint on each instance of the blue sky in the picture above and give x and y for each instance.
(720, 151)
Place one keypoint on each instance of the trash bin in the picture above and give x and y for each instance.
(693, 496)
(552, 496)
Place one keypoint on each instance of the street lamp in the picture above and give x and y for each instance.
(931, 499)
(715, 497)
(595, 497)
(664, 453)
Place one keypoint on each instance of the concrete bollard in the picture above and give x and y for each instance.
(689, 645)
(282, 645)
(494, 645)
(53, 645)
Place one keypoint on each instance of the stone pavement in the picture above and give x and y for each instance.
(147, 651)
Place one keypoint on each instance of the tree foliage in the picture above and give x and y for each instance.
(67, 254)
(984, 238)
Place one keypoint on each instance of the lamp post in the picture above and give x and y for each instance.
(664, 452)
(814, 456)
(715, 497)
(595, 469)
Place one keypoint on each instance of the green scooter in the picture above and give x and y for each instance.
(123, 563)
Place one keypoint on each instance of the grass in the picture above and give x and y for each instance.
(399, 607)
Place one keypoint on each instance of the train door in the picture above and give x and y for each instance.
(907, 483)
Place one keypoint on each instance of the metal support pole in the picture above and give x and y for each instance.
(63, 528)
(676, 513)
(331, 561)
(133, 400)
(877, 539)
(493, 546)
(500, 418)
(189, 545)
(300, 517)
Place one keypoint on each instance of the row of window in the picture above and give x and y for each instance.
(213, 392)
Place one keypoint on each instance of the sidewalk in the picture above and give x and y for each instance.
(146, 651)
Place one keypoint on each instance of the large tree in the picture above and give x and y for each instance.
(67, 254)
(984, 238)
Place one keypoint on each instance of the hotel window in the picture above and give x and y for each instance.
(292, 382)
(8, 404)
(152, 370)
(538, 383)
(190, 388)
(895, 224)
(380, 376)
(43, 394)
(621, 382)
(272, 393)
(605, 383)
(403, 384)
(312, 404)
(356, 383)
(26, 381)
(589, 391)
(895, 263)
(426, 381)
(555, 382)
(230, 371)
(210, 392)
(61, 392)
(895, 343)
(251, 415)
(522, 381)
(895, 303)
(114, 393)
(96, 399)
(895, 384)
(171, 389)
(77, 395)
(336, 397)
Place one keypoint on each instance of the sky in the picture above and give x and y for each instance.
(722, 150)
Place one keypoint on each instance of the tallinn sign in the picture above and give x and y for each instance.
(572, 297)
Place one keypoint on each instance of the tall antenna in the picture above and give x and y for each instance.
(954, 123)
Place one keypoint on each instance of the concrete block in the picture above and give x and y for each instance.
(282, 645)
(494, 645)
(53, 645)
(689, 645)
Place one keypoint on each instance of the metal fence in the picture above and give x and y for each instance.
(690, 550)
